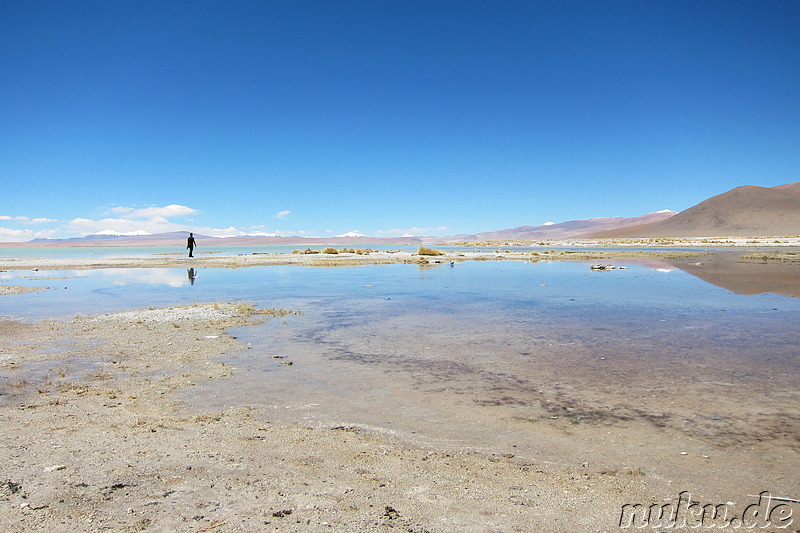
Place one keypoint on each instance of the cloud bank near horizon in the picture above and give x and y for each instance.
(152, 219)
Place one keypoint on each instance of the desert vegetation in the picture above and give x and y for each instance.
(423, 250)
(331, 250)
(774, 256)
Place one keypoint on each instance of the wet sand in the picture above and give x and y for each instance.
(97, 436)
(215, 260)
(94, 440)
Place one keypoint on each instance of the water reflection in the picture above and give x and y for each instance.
(549, 357)
(497, 352)
(729, 271)
(143, 276)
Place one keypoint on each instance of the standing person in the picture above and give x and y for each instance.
(190, 244)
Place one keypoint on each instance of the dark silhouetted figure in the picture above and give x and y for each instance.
(190, 244)
(192, 275)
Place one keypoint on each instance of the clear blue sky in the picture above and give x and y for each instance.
(386, 117)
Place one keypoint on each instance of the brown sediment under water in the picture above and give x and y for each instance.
(646, 369)
(671, 369)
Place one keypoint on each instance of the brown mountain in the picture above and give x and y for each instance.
(573, 229)
(746, 211)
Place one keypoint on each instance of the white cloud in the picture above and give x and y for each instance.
(298, 233)
(158, 276)
(145, 213)
(132, 220)
(410, 232)
(21, 235)
(121, 226)
(135, 221)
(230, 231)
(27, 220)
(15, 235)
(126, 234)
(262, 234)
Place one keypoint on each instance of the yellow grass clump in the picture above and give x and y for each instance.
(429, 251)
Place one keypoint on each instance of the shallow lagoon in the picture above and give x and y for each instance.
(549, 361)
(518, 286)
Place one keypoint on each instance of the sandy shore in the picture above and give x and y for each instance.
(215, 260)
(93, 440)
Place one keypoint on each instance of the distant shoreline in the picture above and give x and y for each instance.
(217, 260)
(371, 257)
(647, 242)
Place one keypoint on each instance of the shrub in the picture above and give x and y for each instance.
(330, 250)
(429, 251)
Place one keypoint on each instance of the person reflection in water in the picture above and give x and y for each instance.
(192, 275)
(190, 244)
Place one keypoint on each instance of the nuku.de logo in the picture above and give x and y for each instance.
(768, 511)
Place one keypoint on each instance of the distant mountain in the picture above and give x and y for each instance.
(178, 238)
(77, 239)
(106, 239)
(746, 211)
(564, 230)
(573, 229)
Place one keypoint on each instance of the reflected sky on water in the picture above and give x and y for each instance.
(491, 353)
(488, 286)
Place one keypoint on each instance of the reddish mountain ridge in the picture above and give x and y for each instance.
(746, 211)
(565, 230)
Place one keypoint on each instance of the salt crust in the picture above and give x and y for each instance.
(195, 313)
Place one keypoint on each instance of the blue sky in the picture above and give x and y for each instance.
(386, 117)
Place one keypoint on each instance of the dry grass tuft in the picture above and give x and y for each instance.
(429, 251)
(776, 256)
